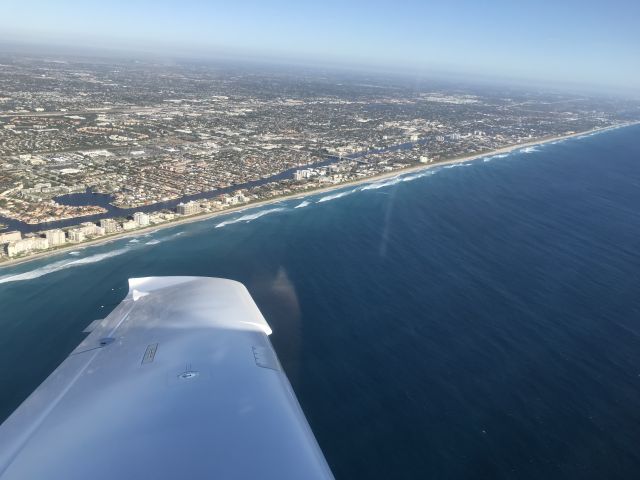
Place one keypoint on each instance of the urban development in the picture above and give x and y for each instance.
(91, 149)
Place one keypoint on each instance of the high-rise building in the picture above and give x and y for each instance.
(189, 208)
(302, 174)
(26, 245)
(16, 248)
(76, 235)
(229, 200)
(129, 225)
(109, 225)
(55, 237)
(7, 237)
(91, 229)
(39, 243)
(141, 219)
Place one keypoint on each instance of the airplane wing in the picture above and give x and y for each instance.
(180, 381)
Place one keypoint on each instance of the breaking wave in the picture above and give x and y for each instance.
(61, 265)
(398, 179)
(531, 149)
(493, 157)
(385, 183)
(152, 242)
(134, 240)
(302, 205)
(333, 196)
(456, 165)
(248, 218)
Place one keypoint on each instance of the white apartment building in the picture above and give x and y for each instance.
(141, 219)
(55, 237)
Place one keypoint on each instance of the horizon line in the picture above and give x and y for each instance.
(66, 47)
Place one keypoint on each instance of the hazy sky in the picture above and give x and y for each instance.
(561, 40)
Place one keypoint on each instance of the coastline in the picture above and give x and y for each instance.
(301, 195)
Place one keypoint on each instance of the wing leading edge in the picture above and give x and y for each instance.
(179, 381)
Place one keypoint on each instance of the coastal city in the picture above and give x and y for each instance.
(94, 149)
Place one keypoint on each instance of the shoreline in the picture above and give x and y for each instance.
(299, 195)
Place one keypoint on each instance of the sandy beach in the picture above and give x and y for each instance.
(298, 195)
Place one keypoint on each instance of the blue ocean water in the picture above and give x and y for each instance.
(478, 321)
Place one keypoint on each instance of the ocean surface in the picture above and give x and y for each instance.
(474, 321)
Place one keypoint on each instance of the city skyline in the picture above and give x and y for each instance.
(127, 143)
(573, 43)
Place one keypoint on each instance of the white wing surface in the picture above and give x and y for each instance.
(179, 382)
